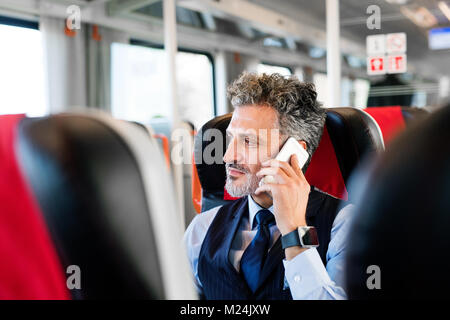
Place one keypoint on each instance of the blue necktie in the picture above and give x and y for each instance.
(254, 256)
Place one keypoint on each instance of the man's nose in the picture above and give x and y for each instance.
(232, 153)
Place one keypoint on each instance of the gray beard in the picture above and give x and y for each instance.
(249, 187)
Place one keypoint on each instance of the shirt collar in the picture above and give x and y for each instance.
(253, 209)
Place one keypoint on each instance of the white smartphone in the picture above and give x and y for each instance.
(290, 147)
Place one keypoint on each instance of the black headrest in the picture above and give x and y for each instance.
(353, 134)
(93, 191)
(212, 176)
(403, 217)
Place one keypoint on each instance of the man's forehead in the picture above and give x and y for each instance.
(247, 119)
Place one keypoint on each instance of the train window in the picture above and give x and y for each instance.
(268, 68)
(139, 90)
(320, 81)
(360, 93)
(346, 92)
(22, 73)
(354, 93)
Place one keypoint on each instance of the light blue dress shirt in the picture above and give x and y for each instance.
(305, 275)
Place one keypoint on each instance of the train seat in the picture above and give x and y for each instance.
(394, 119)
(349, 135)
(30, 267)
(87, 192)
(163, 131)
(402, 217)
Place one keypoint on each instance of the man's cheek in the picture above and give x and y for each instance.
(264, 154)
(253, 170)
(253, 157)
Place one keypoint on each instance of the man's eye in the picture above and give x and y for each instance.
(249, 141)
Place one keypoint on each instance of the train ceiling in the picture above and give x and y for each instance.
(283, 28)
(304, 22)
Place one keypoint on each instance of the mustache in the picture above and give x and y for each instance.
(237, 167)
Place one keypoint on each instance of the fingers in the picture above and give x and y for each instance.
(279, 175)
(300, 175)
(267, 187)
(296, 166)
(282, 171)
(299, 171)
(280, 164)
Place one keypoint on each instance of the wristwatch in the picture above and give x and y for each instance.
(305, 237)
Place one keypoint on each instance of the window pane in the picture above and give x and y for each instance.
(346, 92)
(195, 88)
(22, 77)
(269, 69)
(139, 87)
(361, 91)
(137, 83)
(320, 81)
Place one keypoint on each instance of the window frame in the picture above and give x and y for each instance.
(22, 23)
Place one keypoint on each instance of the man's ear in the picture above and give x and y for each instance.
(302, 143)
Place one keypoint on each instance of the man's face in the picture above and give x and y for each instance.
(253, 136)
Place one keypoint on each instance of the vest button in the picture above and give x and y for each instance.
(297, 278)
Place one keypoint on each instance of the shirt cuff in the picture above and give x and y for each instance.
(306, 273)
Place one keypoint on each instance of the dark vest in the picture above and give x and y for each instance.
(221, 281)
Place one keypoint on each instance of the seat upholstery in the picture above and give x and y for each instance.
(352, 135)
(212, 176)
(30, 267)
(402, 216)
(393, 120)
(75, 178)
(349, 135)
(107, 204)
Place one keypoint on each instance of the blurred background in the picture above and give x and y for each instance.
(115, 60)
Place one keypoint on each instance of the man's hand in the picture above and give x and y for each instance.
(290, 193)
(290, 196)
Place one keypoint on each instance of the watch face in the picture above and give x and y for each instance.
(310, 238)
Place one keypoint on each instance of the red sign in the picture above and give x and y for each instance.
(396, 63)
(386, 53)
(376, 65)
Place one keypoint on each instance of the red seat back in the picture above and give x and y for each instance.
(29, 267)
(390, 120)
(393, 120)
(324, 172)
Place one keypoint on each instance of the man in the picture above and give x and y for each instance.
(242, 250)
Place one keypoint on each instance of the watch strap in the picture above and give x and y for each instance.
(290, 239)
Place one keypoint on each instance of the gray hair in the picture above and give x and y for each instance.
(300, 115)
